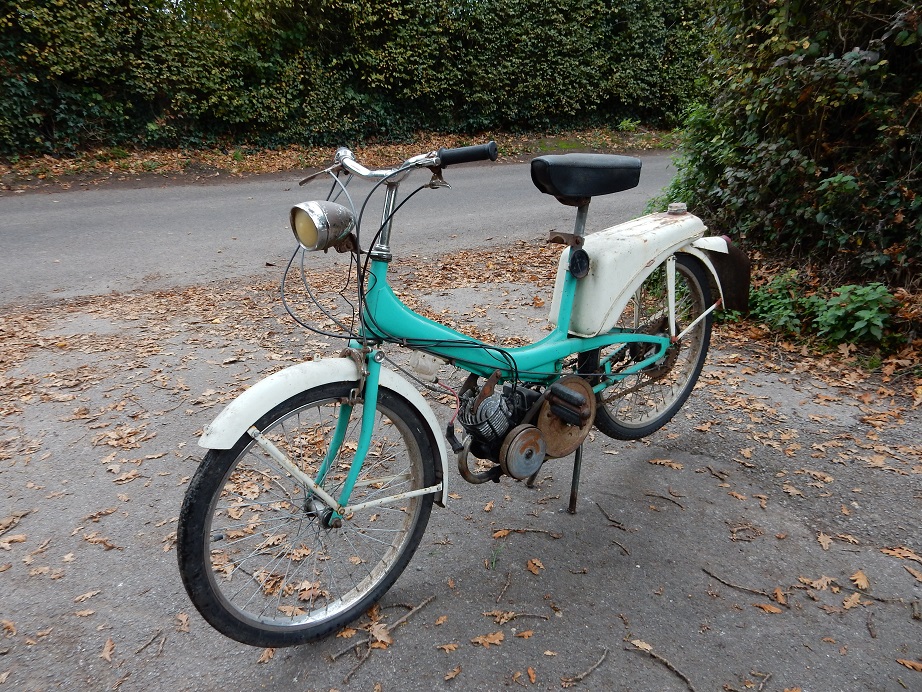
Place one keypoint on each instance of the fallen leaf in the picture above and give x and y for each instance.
(447, 648)
(501, 617)
(380, 634)
(737, 495)
(266, 655)
(667, 463)
(441, 620)
(182, 622)
(902, 553)
(642, 645)
(486, 640)
(851, 601)
(860, 580)
(9, 540)
(84, 596)
(346, 633)
(526, 634)
(779, 597)
(532, 676)
(768, 607)
(488, 507)
(824, 540)
(107, 650)
(9, 627)
(502, 533)
(534, 566)
(912, 665)
(914, 572)
(84, 613)
(453, 673)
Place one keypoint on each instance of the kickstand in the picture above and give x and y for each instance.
(574, 483)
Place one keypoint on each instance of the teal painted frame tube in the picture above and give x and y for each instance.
(387, 318)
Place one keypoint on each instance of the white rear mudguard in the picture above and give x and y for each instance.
(234, 421)
(622, 257)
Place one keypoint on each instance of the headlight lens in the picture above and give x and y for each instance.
(320, 225)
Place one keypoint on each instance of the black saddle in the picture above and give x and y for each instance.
(574, 179)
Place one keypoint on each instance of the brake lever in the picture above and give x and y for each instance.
(437, 181)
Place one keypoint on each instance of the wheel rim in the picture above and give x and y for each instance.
(270, 557)
(654, 392)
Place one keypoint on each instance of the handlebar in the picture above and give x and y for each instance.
(443, 157)
(478, 152)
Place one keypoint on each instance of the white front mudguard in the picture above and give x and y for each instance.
(234, 421)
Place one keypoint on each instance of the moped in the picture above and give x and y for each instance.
(319, 480)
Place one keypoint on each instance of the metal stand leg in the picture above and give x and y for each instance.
(574, 484)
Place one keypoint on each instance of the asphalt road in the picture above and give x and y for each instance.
(88, 242)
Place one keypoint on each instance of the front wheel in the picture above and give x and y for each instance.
(261, 559)
(643, 402)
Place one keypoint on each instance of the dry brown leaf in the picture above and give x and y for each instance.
(448, 648)
(487, 640)
(534, 566)
(9, 627)
(502, 533)
(107, 650)
(266, 655)
(738, 496)
(902, 553)
(84, 596)
(453, 673)
(378, 631)
(768, 607)
(488, 507)
(779, 597)
(346, 633)
(182, 622)
(9, 540)
(532, 676)
(912, 665)
(824, 540)
(441, 620)
(501, 617)
(668, 463)
(84, 613)
(860, 580)
(914, 572)
(851, 601)
(640, 644)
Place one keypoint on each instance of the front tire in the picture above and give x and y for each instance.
(642, 403)
(258, 557)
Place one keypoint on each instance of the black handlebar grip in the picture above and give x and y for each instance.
(478, 152)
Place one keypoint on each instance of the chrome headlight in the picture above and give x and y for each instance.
(320, 225)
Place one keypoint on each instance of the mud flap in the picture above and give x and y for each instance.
(733, 269)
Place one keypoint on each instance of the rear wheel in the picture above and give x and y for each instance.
(260, 558)
(642, 403)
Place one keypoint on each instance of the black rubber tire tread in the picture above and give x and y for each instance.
(608, 424)
(208, 481)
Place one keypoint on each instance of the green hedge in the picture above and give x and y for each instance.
(80, 73)
(810, 144)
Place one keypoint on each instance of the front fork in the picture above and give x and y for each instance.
(366, 392)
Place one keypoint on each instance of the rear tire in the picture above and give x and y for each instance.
(257, 556)
(642, 403)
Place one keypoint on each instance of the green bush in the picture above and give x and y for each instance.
(81, 73)
(808, 146)
(848, 314)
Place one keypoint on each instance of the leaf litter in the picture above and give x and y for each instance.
(210, 318)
